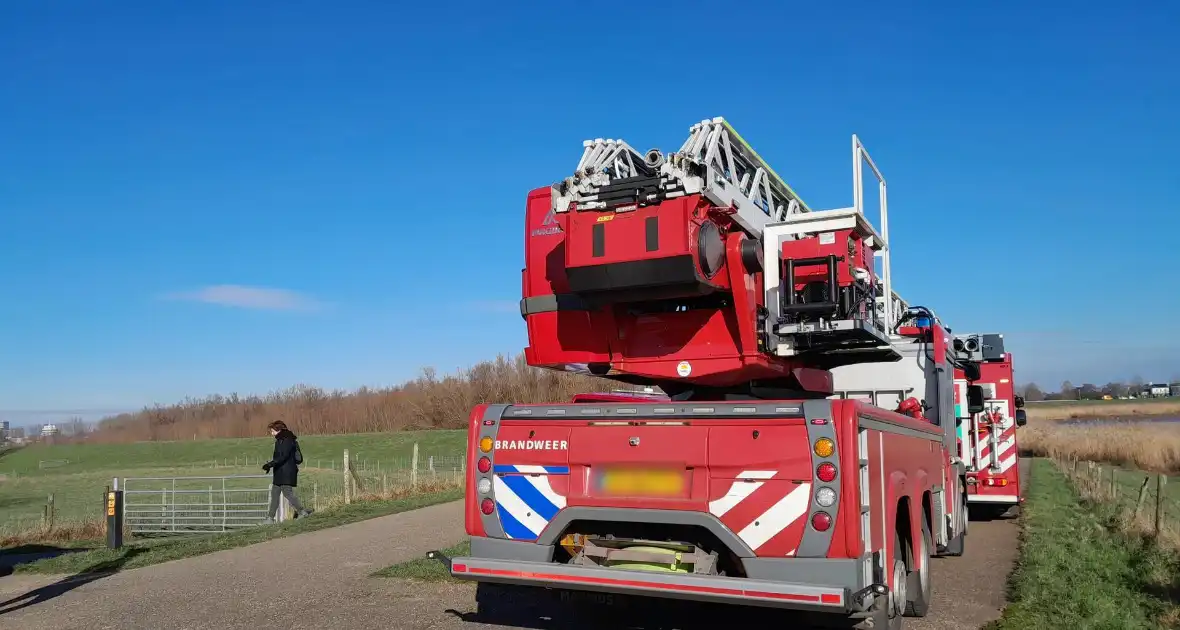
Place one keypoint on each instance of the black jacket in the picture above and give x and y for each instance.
(282, 463)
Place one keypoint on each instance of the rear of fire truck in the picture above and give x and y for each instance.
(987, 433)
(750, 480)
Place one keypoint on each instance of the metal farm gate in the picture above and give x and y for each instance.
(195, 505)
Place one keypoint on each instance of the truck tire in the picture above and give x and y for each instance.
(919, 589)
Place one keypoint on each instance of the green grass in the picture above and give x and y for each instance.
(1076, 571)
(425, 570)
(149, 552)
(78, 474)
(77, 458)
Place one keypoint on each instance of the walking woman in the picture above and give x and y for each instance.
(285, 466)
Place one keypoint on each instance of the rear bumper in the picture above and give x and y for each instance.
(834, 595)
(1010, 499)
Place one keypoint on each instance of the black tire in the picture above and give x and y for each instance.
(919, 589)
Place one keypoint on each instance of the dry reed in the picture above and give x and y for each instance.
(61, 532)
(1103, 409)
(1149, 446)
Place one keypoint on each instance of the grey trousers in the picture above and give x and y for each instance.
(286, 491)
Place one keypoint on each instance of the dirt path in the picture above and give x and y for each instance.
(320, 580)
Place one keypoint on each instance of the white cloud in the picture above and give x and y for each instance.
(238, 296)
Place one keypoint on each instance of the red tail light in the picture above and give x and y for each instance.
(821, 521)
(487, 506)
(484, 465)
(826, 472)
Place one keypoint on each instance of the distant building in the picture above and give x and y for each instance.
(1157, 390)
(1175, 388)
(50, 430)
(4, 431)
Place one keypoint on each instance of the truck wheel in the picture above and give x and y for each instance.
(918, 588)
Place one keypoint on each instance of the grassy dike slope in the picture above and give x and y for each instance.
(1076, 571)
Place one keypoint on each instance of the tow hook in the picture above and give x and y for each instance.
(438, 555)
(874, 589)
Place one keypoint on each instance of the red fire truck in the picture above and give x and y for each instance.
(761, 477)
(987, 439)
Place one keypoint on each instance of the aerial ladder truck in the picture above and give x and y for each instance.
(751, 480)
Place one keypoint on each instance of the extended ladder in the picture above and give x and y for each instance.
(715, 161)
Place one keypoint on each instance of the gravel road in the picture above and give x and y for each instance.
(320, 580)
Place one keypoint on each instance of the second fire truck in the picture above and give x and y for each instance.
(987, 439)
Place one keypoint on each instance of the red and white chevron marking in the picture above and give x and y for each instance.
(1007, 450)
(766, 509)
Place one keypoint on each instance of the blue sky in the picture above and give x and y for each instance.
(226, 196)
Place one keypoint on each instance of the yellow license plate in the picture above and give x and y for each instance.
(641, 483)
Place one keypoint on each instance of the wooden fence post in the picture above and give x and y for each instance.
(1160, 480)
(1142, 496)
(1114, 483)
(414, 468)
(347, 480)
(315, 495)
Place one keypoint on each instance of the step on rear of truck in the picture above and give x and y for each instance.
(718, 501)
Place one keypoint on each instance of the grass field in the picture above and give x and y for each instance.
(78, 474)
(1077, 571)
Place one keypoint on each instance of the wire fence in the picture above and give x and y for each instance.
(1148, 503)
(323, 483)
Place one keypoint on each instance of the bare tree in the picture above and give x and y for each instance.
(431, 401)
(1031, 392)
(1067, 391)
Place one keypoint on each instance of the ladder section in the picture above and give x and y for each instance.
(733, 175)
(608, 167)
(715, 161)
(894, 314)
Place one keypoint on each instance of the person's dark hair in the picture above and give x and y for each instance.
(277, 425)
